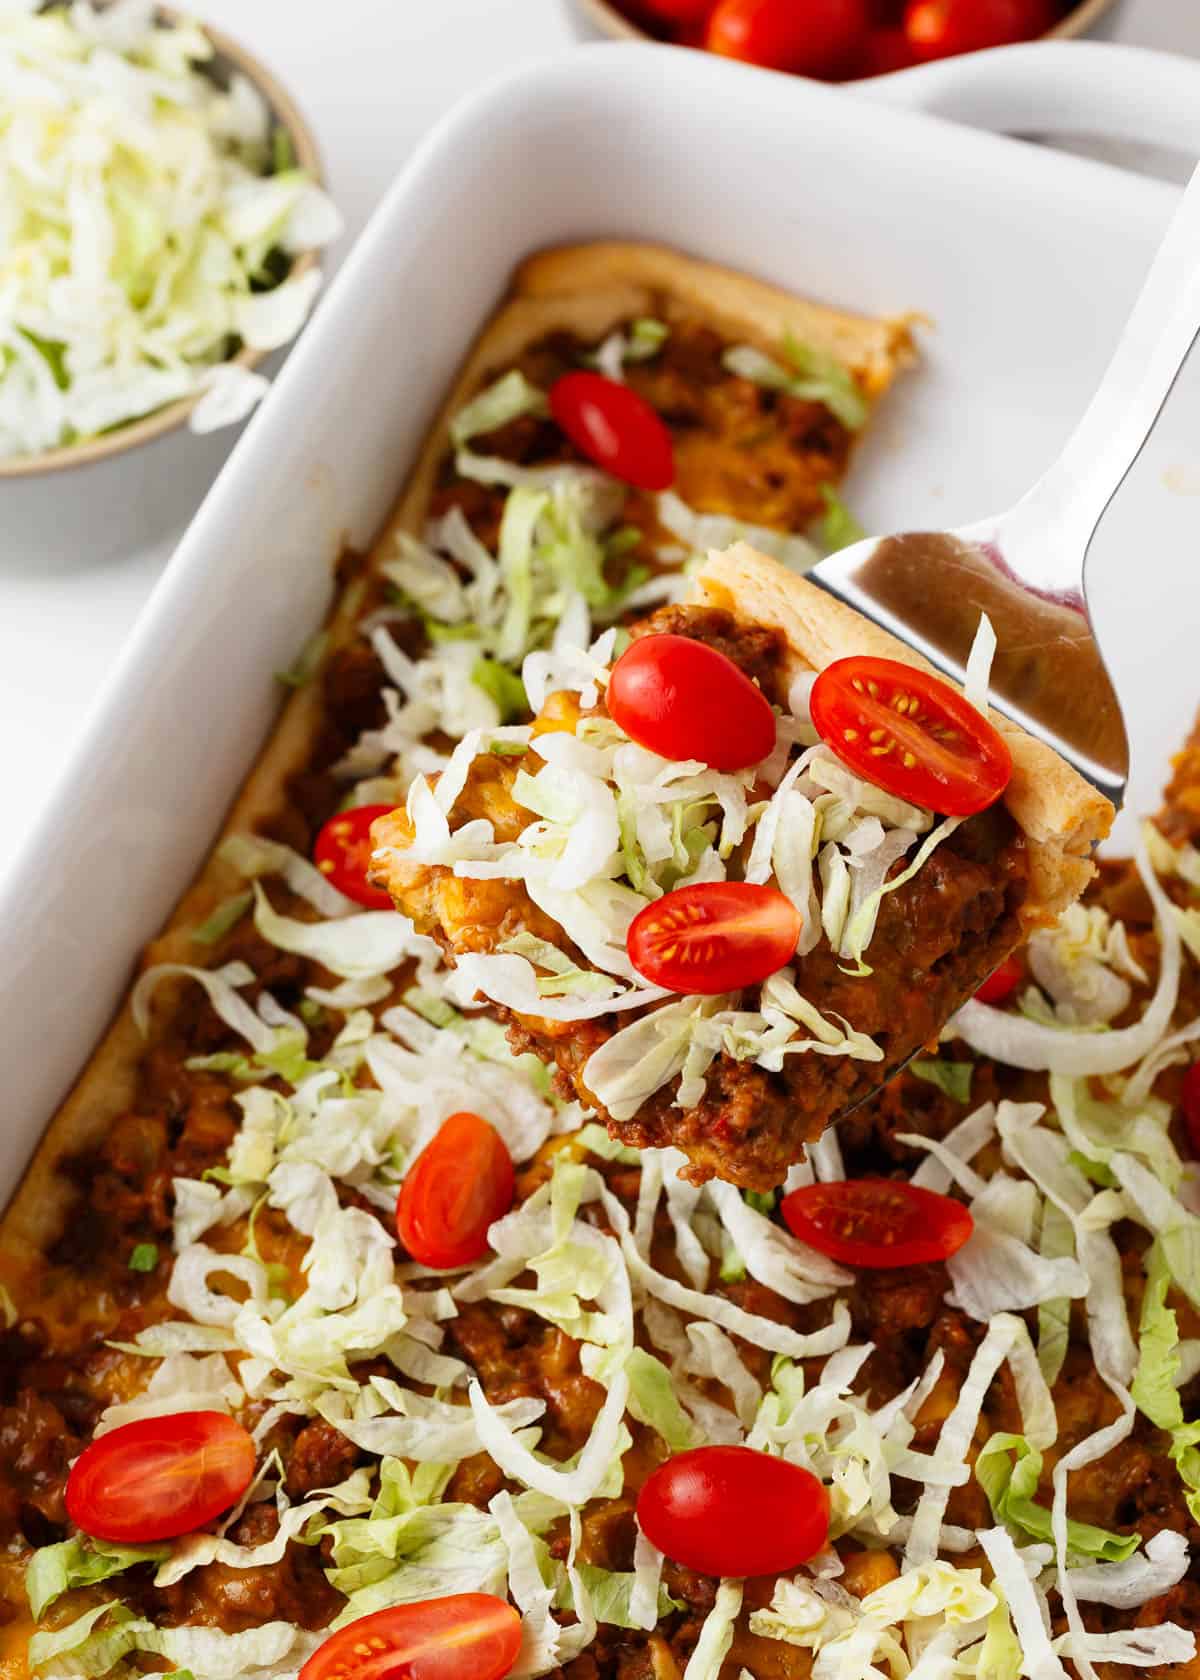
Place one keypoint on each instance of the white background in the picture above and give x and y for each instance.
(371, 77)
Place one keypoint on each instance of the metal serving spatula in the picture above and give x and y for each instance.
(1025, 568)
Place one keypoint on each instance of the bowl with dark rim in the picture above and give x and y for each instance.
(601, 17)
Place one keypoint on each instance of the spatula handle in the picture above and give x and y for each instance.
(1053, 524)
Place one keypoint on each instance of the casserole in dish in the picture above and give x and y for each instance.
(709, 1614)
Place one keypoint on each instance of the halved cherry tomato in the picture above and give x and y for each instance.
(684, 699)
(811, 37)
(941, 28)
(886, 50)
(1189, 1103)
(911, 734)
(160, 1477)
(460, 1182)
(1002, 982)
(877, 1223)
(467, 1636)
(715, 936)
(731, 1511)
(343, 853)
(614, 427)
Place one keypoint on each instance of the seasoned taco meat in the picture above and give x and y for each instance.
(936, 938)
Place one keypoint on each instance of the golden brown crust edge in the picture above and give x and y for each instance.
(874, 349)
(1061, 814)
(586, 289)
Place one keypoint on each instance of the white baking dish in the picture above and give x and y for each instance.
(1025, 260)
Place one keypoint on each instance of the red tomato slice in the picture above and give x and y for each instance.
(684, 699)
(456, 1187)
(941, 28)
(1189, 1103)
(160, 1477)
(731, 1511)
(911, 734)
(343, 853)
(616, 428)
(1002, 982)
(467, 1636)
(716, 936)
(877, 1223)
(811, 37)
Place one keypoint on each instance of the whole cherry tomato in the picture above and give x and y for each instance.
(460, 1183)
(465, 1636)
(342, 852)
(1189, 1103)
(684, 699)
(160, 1477)
(941, 28)
(810, 37)
(715, 936)
(731, 1511)
(1001, 983)
(615, 428)
(877, 1223)
(886, 50)
(911, 734)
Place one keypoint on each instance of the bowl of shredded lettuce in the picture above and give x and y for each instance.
(160, 217)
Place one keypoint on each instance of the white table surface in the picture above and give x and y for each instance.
(371, 76)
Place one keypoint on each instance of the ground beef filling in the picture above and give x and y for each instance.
(937, 937)
(935, 940)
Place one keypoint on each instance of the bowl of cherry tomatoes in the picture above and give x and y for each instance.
(843, 40)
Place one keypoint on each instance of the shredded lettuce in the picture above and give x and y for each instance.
(1160, 1646)
(716, 1636)
(84, 1648)
(839, 527)
(509, 398)
(954, 1078)
(223, 919)
(252, 856)
(142, 217)
(700, 532)
(1037, 1045)
(1054, 1315)
(412, 1546)
(503, 687)
(1009, 1470)
(1175, 1227)
(813, 376)
(222, 986)
(642, 343)
(1156, 1381)
(79, 1562)
(1026, 1605)
(360, 946)
(653, 1401)
(1142, 1576)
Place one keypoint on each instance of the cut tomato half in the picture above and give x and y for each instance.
(683, 699)
(877, 1223)
(615, 428)
(911, 734)
(458, 1185)
(466, 1636)
(160, 1477)
(1002, 982)
(343, 854)
(716, 936)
